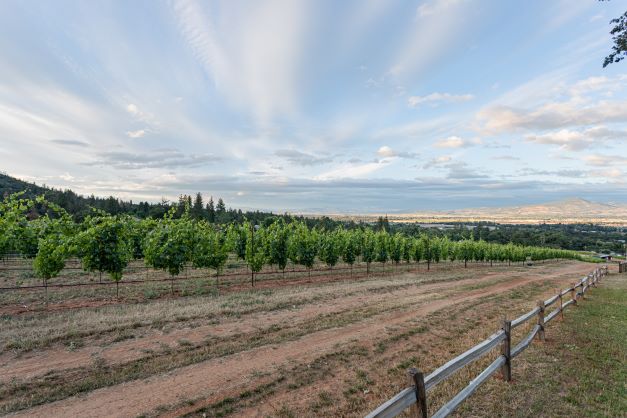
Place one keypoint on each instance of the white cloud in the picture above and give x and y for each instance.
(136, 134)
(386, 152)
(600, 160)
(611, 173)
(552, 115)
(436, 98)
(547, 102)
(456, 142)
(132, 109)
(438, 161)
(577, 140)
(567, 140)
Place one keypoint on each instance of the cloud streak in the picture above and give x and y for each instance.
(435, 99)
(164, 158)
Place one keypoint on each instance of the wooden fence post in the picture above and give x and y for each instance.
(417, 380)
(541, 320)
(559, 294)
(573, 294)
(506, 345)
(583, 288)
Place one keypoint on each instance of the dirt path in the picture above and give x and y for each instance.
(218, 377)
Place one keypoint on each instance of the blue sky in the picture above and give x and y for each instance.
(352, 106)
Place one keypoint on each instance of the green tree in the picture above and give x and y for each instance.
(169, 246)
(236, 236)
(350, 245)
(210, 249)
(396, 246)
(619, 37)
(368, 248)
(211, 211)
(105, 246)
(255, 257)
(304, 244)
(221, 211)
(277, 248)
(407, 249)
(50, 258)
(329, 247)
(197, 211)
(427, 250)
(381, 248)
(418, 249)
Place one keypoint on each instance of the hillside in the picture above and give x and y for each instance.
(80, 206)
(9, 185)
(567, 211)
(574, 209)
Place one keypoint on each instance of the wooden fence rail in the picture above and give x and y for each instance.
(415, 396)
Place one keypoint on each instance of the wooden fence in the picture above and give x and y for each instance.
(415, 396)
(622, 267)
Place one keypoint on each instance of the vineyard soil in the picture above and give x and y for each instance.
(303, 349)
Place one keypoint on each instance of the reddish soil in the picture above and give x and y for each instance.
(216, 378)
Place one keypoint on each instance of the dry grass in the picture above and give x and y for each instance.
(347, 381)
(41, 329)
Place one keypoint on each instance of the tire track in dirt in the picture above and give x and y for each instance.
(213, 379)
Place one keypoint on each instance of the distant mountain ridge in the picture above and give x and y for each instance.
(571, 210)
(563, 208)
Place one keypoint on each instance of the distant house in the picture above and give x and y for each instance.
(606, 257)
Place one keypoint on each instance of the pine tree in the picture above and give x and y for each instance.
(197, 212)
(211, 211)
(220, 211)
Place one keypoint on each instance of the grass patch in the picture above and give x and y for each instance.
(581, 370)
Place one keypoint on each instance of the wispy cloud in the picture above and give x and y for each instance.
(437, 25)
(438, 161)
(163, 158)
(435, 99)
(252, 52)
(301, 158)
(70, 142)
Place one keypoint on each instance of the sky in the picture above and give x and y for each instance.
(364, 106)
